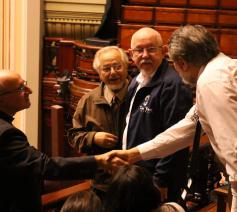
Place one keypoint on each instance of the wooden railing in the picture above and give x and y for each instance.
(55, 197)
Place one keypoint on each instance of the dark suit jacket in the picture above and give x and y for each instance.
(23, 168)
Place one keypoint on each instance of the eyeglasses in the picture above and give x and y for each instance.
(150, 50)
(21, 88)
(115, 66)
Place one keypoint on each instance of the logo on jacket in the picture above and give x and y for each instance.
(144, 108)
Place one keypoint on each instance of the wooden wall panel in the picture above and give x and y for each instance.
(147, 2)
(227, 18)
(228, 42)
(175, 3)
(228, 4)
(137, 14)
(169, 15)
(201, 16)
(203, 3)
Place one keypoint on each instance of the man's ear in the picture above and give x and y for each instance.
(130, 52)
(182, 64)
(165, 50)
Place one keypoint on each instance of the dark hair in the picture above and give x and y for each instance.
(193, 43)
(131, 189)
(85, 201)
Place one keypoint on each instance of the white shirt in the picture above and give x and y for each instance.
(217, 109)
(216, 104)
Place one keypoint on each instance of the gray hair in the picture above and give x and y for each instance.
(194, 44)
(97, 62)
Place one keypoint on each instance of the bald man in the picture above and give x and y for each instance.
(22, 166)
(158, 99)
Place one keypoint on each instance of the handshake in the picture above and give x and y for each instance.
(110, 161)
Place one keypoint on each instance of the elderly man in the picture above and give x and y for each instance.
(22, 166)
(158, 99)
(198, 60)
(98, 120)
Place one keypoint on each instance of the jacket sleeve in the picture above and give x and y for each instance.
(69, 168)
(81, 135)
(176, 101)
(19, 159)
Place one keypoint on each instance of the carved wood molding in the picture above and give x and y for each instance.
(67, 15)
(75, 19)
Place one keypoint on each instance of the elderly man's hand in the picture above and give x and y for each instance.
(105, 140)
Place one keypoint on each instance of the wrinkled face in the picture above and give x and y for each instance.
(147, 53)
(16, 95)
(112, 70)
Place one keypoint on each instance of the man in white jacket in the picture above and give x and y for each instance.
(197, 58)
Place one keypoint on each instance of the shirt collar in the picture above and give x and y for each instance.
(143, 80)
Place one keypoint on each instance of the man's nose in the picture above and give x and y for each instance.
(145, 53)
(28, 89)
(113, 70)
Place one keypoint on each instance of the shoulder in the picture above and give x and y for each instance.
(8, 132)
(93, 93)
(89, 97)
(5, 126)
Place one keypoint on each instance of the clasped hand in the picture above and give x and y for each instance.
(110, 161)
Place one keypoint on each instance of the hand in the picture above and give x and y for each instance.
(131, 155)
(105, 140)
(109, 163)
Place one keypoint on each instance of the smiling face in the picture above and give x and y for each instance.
(112, 70)
(14, 93)
(146, 50)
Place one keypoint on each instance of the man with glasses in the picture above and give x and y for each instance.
(158, 99)
(98, 121)
(22, 166)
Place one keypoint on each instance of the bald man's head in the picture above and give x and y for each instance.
(14, 93)
(147, 50)
(147, 32)
(8, 80)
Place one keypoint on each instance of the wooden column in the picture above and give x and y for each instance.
(57, 124)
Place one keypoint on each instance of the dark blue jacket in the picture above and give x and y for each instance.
(157, 106)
